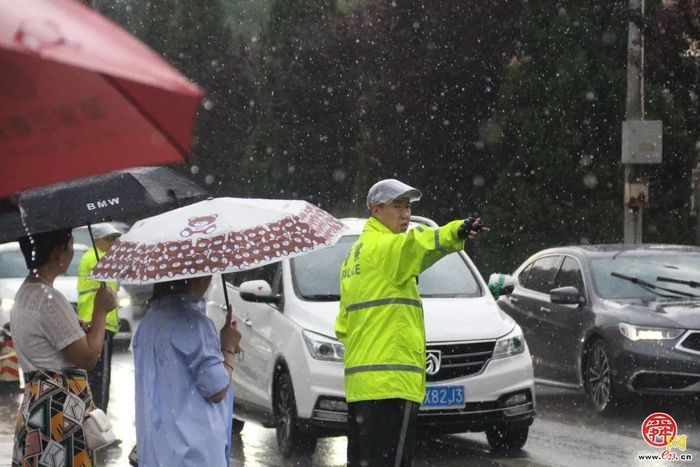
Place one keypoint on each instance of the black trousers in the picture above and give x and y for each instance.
(100, 376)
(382, 433)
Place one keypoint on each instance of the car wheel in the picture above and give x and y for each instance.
(237, 426)
(598, 380)
(507, 438)
(291, 439)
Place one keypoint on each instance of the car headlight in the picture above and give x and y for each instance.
(323, 348)
(638, 333)
(124, 302)
(511, 344)
(6, 304)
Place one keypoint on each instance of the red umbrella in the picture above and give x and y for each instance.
(80, 96)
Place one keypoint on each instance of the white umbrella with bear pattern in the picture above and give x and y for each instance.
(217, 236)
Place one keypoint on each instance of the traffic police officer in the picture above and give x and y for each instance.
(381, 323)
(99, 377)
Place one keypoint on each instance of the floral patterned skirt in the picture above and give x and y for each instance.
(49, 429)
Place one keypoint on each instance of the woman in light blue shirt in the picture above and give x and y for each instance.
(184, 402)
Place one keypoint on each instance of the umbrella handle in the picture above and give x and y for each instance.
(94, 247)
(92, 239)
(229, 313)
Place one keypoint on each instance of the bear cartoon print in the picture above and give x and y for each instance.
(200, 225)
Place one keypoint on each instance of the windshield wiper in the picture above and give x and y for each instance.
(322, 297)
(651, 287)
(692, 284)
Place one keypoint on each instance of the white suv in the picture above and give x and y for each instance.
(13, 270)
(479, 370)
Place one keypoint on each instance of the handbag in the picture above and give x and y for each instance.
(98, 431)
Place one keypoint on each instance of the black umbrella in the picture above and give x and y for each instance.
(125, 195)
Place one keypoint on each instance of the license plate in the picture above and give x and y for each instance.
(441, 397)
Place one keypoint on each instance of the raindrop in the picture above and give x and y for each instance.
(208, 104)
(416, 25)
(590, 95)
(399, 108)
(608, 37)
(194, 169)
(590, 181)
(339, 175)
(209, 179)
(478, 180)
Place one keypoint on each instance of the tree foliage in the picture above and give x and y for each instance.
(433, 73)
(193, 37)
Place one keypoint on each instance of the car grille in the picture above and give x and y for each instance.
(692, 342)
(461, 359)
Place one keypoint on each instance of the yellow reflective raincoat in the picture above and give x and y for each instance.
(381, 315)
(87, 288)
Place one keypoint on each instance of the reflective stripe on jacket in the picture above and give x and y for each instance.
(87, 288)
(381, 314)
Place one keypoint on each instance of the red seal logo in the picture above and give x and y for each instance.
(658, 429)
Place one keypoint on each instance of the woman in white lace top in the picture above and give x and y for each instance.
(53, 352)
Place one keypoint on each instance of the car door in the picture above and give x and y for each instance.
(216, 311)
(255, 322)
(568, 324)
(534, 308)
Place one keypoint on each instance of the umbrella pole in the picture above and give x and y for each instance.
(92, 239)
(228, 304)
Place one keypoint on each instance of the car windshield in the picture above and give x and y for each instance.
(317, 275)
(12, 264)
(681, 268)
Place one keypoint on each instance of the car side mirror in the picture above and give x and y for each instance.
(501, 284)
(568, 295)
(258, 291)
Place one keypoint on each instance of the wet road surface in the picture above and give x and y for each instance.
(565, 433)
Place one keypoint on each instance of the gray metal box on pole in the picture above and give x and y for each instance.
(642, 142)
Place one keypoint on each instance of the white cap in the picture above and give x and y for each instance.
(105, 229)
(390, 189)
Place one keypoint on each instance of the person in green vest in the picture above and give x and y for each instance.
(380, 322)
(105, 235)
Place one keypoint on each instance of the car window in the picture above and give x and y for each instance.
(276, 284)
(74, 268)
(12, 264)
(522, 277)
(570, 274)
(266, 273)
(541, 276)
(317, 275)
(668, 266)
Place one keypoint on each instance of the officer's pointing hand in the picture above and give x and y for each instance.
(471, 227)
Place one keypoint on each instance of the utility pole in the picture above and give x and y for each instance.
(634, 110)
(696, 200)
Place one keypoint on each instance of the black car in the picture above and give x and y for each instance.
(612, 319)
